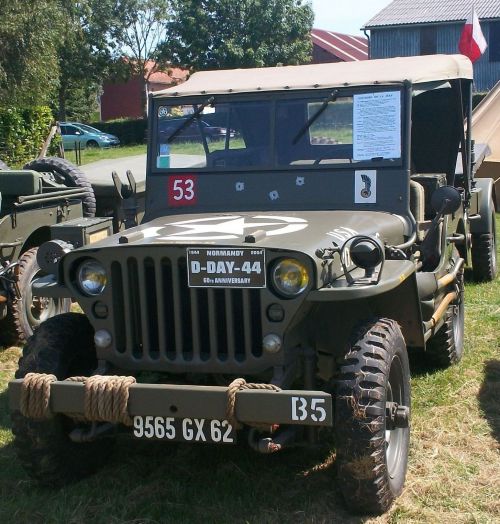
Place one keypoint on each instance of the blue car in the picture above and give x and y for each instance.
(81, 134)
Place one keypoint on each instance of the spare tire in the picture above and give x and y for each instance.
(68, 174)
(4, 166)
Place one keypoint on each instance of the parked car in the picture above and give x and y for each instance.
(191, 130)
(86, 136)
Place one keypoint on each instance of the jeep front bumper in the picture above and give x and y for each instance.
(308, 408)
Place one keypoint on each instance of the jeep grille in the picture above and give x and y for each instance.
(169, 326)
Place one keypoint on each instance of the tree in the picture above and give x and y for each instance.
(29, 70)
(211, 34)
(143, 30)
(88, 49)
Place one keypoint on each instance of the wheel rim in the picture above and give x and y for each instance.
(395, 437)
(39, 309)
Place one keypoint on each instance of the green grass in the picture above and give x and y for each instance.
(94, 154)
(454, 473)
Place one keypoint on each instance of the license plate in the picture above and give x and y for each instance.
(184, 429)
(221, 267)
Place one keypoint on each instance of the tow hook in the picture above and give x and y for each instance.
(396, 416)
(268, 445)
(81, 435)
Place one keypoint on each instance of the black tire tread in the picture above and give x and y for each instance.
(483, 266)
(62, 345)
(73, 177)
(360, 412)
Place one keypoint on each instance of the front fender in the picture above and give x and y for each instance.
(486, 189)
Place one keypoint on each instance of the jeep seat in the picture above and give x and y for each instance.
(20, 183)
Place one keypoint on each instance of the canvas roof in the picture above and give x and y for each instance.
(416, 69)
(403, 12)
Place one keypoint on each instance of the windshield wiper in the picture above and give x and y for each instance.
(186, 122)
(331, 98)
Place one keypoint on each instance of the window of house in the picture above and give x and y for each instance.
(428, 40)
(494, 44)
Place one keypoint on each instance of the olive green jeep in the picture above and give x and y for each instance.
(47, 193)
(306, 229)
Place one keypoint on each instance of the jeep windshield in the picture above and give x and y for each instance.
(330, 129)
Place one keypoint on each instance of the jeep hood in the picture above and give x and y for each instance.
(303, 231)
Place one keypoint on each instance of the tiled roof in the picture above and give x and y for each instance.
(171, 76)
(403, 12)
(346, 47)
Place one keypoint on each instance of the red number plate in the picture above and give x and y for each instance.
(182, 190)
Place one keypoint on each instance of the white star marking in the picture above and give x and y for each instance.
(232, 227)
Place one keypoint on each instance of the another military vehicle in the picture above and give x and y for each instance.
(48, 191)
(309, 252)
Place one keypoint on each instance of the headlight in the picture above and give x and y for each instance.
(366, 252)
(91, 277)
(290, 277)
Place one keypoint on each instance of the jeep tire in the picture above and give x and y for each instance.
(28, 312)
(372, 448)
(67, 173)
(484, 252)
(62, 346)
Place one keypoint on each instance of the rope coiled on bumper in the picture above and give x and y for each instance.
(105, 397)
(240, 384)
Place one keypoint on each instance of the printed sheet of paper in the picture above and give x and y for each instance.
(377, 125)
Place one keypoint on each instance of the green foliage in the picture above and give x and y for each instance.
(29, 70)
(87, 51)
(212, 34)
(22, 133)
(129, 131)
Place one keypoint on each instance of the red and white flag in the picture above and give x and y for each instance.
(472, 42)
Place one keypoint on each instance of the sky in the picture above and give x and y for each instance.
(345, 16)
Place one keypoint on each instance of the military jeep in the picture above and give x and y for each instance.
(47, 193)
(282, 274)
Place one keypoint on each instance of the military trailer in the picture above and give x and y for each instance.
(281, 276)
(46, 193)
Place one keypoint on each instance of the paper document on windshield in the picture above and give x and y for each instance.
(377, 125)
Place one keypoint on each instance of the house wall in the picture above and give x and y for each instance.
(122, 100)
(405, 41)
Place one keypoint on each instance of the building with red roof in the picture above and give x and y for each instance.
(329, 46)
(126, 99)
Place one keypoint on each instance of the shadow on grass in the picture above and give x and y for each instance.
(153, 482)
(421, 364)
(489, 396)
(4, 410)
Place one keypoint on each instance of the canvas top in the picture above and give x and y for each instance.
(415, 69)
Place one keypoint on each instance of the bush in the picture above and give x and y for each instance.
(129, 131)
(22, 133)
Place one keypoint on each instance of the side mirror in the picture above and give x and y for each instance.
(446, 200)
